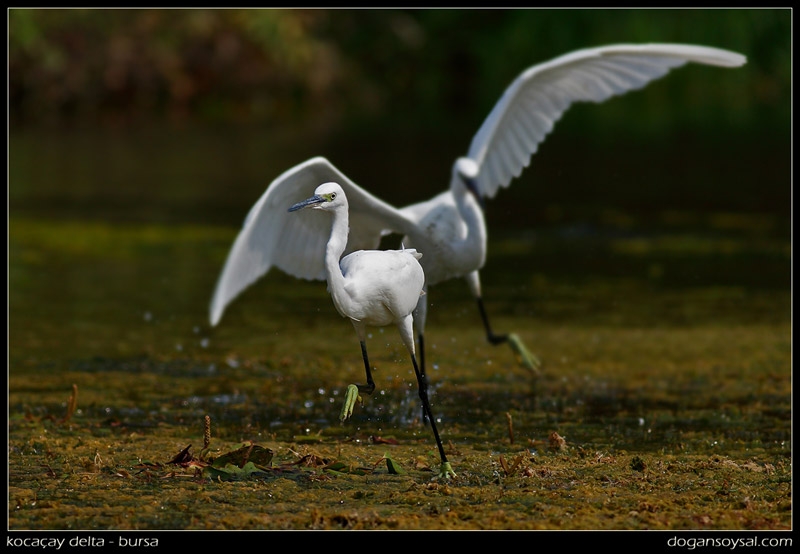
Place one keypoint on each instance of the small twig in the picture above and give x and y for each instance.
(50, 472)
(72, 404)
(510, 427)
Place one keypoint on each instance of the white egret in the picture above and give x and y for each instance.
(449, 229)
(371, 287)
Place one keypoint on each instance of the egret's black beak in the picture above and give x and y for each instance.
(313, 201)
(472, 186)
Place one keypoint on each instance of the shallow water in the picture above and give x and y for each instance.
(663, 334)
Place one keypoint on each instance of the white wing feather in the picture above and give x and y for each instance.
(295, 242)
(532, 104)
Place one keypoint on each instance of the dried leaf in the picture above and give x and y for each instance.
(247, 452)
(514, 465)
(146, 464)
(183, 457)
(503, 464)
(556, 441)
(422, 464)
(311, 460)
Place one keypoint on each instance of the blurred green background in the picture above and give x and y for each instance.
(186, 115)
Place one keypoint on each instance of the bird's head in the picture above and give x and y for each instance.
(328, 196)
(465, 171)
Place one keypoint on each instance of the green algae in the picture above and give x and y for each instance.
(664, 402)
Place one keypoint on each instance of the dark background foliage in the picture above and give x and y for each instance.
(386, 92)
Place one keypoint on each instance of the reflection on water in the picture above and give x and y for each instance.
(212, 175)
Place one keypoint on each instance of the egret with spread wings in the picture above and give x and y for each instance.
(449, 229)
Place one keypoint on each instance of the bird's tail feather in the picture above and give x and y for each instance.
(412, 251)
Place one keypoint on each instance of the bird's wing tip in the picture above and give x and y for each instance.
(215, 313)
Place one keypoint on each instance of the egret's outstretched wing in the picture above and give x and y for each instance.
(295, 243)
(531, 105)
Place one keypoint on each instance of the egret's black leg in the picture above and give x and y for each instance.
(446, 471)
(421, 341)
(369, 388)
(490, 336)
(422, 373)
(527, 359)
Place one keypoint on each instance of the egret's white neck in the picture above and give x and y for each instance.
(337, 243)
(470, 211)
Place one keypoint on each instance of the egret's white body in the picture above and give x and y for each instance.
(448, 229)
(368, 293)
(371, 288)
(368, 287)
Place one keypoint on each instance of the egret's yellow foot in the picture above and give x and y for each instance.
(350, 399)
(446, 471)
(527, 359)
